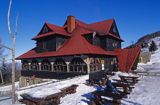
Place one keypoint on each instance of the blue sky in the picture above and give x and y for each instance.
(134, 18)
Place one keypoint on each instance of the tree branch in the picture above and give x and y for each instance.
(16, 25)
(9, 10)
(6, 47)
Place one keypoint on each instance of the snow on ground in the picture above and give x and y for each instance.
(9, 87)
(80, 97)
(5, 102)
(6, 90)
(49, 89)
(155, 58)
(146, 92)
(156, 40)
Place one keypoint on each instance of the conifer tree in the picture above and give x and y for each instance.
(153, 47)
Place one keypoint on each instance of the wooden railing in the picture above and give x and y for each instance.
(50, 74)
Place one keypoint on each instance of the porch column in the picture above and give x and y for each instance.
(68, 66)
(39, 66)
(102, 64)
(88, 67)
(52, 68)
(29, 64)
(87, 61)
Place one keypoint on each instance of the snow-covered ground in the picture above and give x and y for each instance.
(49, 89)
(146, 91)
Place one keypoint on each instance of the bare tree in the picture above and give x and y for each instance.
(1, 58)
(13, 38)
(12, 49)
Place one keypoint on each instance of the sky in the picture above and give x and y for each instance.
(134, 18)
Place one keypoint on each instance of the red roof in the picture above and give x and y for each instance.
(76, 44)
(54, 30)
(102, 27)
(127, 57)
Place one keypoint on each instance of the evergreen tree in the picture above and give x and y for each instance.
(153, 47)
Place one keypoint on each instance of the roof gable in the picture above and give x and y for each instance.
(51, 30)
(114, 29)
(101, 27)
(44, 29)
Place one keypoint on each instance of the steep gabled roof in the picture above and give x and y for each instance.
(102, 27)
(54, 30)
(77, 44)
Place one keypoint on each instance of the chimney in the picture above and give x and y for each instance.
(71, 23)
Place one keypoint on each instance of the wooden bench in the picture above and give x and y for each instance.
(126, 87)
(97, 100)
(129, 79)
(69, 90)
(53, 99)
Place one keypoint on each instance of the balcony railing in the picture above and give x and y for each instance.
(50, 74)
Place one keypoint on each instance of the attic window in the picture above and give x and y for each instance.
(45, 29)
(114, 29)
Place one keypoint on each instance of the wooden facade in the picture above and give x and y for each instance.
(74, 47)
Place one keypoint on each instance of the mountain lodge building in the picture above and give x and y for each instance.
(77, 47)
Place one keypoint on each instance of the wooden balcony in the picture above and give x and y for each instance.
(50, 74)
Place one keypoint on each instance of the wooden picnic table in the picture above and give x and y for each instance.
(129, 79)
(99, 101)
(126, 87)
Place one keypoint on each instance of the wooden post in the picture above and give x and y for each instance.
(88, 67)
(39, 64)
(52, 68)
(29, 64)
(87, 61)
(67, 66)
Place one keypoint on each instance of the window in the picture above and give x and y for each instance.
(46, 65)
(45, 29)
(78, 65)
(60, 65)
(114, 44)
(44, 44)
(34, 65)
(95, 65)
(25, 66)
(58, 45)
(114, 29)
